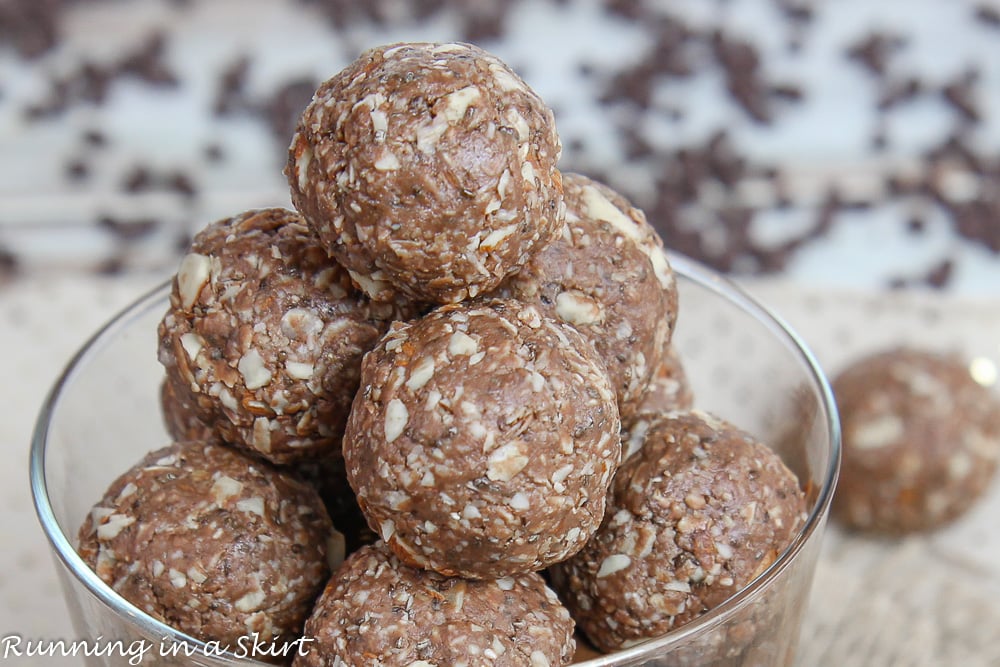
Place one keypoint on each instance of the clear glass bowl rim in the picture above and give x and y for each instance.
(682, 265)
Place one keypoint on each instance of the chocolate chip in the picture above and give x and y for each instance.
(282, 110)
(230, 94)
(31, 27)
(181, 183)
(895, 93)
(740, 62)
(987, 15)
(128, 230)
(95, 138)
(77, 170)
(214, 153)
(961, 96)
(940, 275)
(138, 179)
(875, 50)
(148, 63)
(10, 264)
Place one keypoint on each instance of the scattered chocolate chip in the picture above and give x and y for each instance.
(741, 64)
(128, 230)
(987, 15)
(214, 153)
(895, 93)
(896, 283)
(77, 170)
(788, 92)
(282, 110)
(95, 138)
(961, 96)
(875, 50)
(10, 264)
(483, 20)
(31, 27)
(940, 275)
(796, 12)
(916, 225)
(182, 184)
(110, 266)
(148, 63)
(141, 178)
(230, 92)
(138, 179)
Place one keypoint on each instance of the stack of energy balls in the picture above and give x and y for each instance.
(439, 349)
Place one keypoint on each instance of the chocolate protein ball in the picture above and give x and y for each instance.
(429, 169)
(695, 515)
(264, 336)
(326, 474)
(607, 276)
(483, 440)
(921, 440)
(378, 611)
(212, 542)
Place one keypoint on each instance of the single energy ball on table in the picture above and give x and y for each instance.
(607, 276)
(212, 542)
(921, 440)
(378, 611)
(483, 440)
(264, 336)
(696, 514)
(428, 169)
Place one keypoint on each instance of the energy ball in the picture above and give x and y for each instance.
(607, 276)
(212, 542)
(264, 336)
(483, 440)
(921, 441)
(695, 515)
(326, 474)
(429, 169)
(378, 611)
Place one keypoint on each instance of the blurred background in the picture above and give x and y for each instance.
(838, 158)
(845, 143)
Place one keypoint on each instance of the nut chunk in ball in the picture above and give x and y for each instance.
(378, 611)
(695, 515)
(429, 169)
(212, 542)
(921, 441)
(264, 336)
(607, 276)
(483, 440)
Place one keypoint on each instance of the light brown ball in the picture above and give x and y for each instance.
(428, 169)
(694, 516)
(606, 275)
(212, 542)
(264, 337)
(378, 611)
(921, 441)
(483, 440)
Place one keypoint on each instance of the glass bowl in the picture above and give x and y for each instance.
(744, 365)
